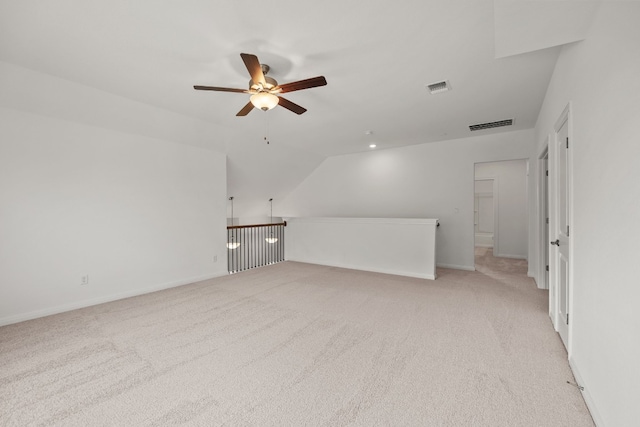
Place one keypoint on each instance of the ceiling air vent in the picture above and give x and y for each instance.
(439, 87)
(490, 125)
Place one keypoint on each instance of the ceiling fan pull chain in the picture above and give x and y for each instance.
(266, 127)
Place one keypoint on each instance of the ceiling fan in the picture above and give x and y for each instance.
(265, 91)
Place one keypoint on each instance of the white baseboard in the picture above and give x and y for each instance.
(535, 279)
(588, 399)
(483, 245)
(100, 300)
(539, 284)
(457, 267)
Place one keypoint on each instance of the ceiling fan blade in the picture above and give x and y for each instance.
(253, 66)
(303, 84)
(220, 89)
(291, 106)
(245, 110)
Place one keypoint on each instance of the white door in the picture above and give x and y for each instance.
(562, 231)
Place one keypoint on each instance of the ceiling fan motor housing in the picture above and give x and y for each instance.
(270, 84)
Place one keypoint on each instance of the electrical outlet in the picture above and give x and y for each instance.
(84, 280)
(215, 258)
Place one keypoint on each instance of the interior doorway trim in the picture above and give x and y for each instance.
(543, 217)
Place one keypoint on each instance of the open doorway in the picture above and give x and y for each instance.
(500, 216)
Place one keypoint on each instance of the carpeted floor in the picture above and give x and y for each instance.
(296, 344)
(490, 265)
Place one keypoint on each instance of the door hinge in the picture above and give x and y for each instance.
(567, 231)
(567, 318)
(547, 220)
(567, 142)
(547, 268)
(547, 173)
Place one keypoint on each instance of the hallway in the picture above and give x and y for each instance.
(487, 263)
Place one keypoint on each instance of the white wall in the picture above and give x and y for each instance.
(434, 180)
(483, 187)
(133, 213)
(511, 198)
(38, 93)
(399, 246)
(599, 76)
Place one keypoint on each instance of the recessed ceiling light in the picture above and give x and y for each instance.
(372, 145)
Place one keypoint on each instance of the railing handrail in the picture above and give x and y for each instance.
(230, 227)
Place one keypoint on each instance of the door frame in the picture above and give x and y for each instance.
(543, 213)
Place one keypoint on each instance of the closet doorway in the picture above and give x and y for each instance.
(500, 215)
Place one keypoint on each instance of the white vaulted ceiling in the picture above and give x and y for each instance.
(377, 57)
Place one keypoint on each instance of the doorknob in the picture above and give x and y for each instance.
(557, 242)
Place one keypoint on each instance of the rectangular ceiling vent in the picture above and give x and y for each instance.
(439, 87)
(490, 125)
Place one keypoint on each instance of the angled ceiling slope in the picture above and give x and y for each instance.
(523, 26)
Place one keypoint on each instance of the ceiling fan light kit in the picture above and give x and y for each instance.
(264, 100)
(265, 91)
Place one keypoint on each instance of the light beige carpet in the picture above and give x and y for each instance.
(297, 344)
(490, 265)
